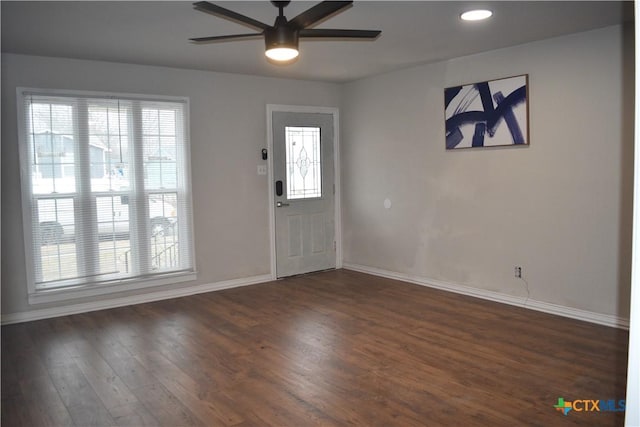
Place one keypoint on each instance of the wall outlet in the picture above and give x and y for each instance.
(518, 272)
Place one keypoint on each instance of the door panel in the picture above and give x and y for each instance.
(304, 210)
(294, 230)
(318, 233)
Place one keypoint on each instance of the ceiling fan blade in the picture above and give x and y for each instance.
(226, 38)
(319, 12)
(345, 34)
(205, 6)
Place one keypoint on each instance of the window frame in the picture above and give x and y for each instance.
(38, 295)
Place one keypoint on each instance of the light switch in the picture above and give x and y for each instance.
(262, 169)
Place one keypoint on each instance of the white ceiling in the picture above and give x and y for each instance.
(414, 32)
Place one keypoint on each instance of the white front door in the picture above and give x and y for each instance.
(303, 175)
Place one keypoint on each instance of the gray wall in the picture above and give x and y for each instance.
(560, 208)
(228, 129)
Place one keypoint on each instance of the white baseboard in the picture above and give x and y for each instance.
(46, 313)
(559, 310)
(574, 313)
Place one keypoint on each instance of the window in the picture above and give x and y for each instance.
(106, 191)
(304, 174)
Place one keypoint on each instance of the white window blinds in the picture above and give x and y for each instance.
(106, 188)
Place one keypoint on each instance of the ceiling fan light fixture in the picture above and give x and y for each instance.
(281, 38)
(281, 43)
(476, 15)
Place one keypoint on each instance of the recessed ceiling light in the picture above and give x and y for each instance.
(476, 15)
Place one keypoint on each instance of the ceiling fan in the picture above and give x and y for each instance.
(281, 38)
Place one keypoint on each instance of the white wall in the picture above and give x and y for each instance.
(560, 208)
(228, 129)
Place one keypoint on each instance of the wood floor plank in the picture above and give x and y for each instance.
(78, 396)
(106, 383)
(190, 391)
(16, 413)
(133, 415)
(44, 403)
(129, 370)
(166, 407)
(328, 349)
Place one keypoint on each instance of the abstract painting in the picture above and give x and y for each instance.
(487, 114)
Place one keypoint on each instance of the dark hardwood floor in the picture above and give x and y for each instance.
(333, 348)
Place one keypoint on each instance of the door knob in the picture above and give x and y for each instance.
(280, 204)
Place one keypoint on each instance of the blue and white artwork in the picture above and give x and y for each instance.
(487, 114)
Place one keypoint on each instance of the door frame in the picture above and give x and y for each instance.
(273, 108)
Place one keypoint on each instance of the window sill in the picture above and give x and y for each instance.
(89, 291)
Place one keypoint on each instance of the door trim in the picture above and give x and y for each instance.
(272, 108)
